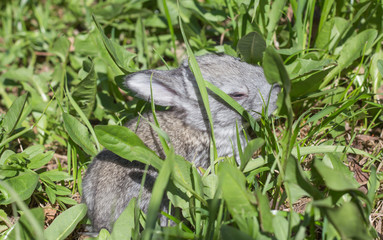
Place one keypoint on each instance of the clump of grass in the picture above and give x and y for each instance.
(317, 169)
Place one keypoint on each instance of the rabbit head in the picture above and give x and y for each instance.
(178, 88)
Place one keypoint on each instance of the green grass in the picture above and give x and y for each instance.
(318, 161)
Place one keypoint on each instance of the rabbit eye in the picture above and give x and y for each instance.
(238, 95)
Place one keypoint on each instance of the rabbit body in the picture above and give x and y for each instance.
(111, 181)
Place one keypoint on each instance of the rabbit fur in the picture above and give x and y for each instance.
(111, 181)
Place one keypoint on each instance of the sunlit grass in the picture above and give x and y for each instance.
(317, 161)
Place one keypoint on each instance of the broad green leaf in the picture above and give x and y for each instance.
(254, 164)
(275, 72)
(79, 134)
(182, 170)
(266, 218)
(307, 85)
(66, 222)
(233, 181)
(334, 179)
(140, 36)
(373, 185)
(24, 184)
(40, 160)
(186, 9)
(34, 150)
(380, 66)
(24, 208)
(334, 161)
(6, 154)
(174, 233)
(171, 6)
(125, 143)
(125, 224)
(302, 67)
(20, 74)
(121, 57)
(7, 172)
(108, 10)
(157, 194)
(327, 5)
(190, 8)
(355, 226)
(51, 195)
(331, 32)
(92, 44)
(230, 233)
(297, 190)
(61, 190)
(274, 69)
(198, 187)
(85, 93)
(4, 217)
(82, 117)
(210, 185)
(322, 113)
(15, 160)
(298, 182)
(281, 227)
(249, 150)
(213, 17)
(376, 70)
(13, 115)
(298, 8)
(354, 48)
(252, 47)
(329, 230)
(238, 199)
(55, 175)
(67, 200)
(329, 149)
(26, 228)
(245, 3)
(103, 235)
(179, 198)
(61, 48)
(86, 44)
(47, 180)
(274, 16)
(184, 184)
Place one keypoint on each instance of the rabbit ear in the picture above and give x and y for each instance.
(165, 92)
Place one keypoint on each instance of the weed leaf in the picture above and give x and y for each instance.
(12, 117)
(252, 47)
(79, 134)
(85, 92)
(125, 143)
(66, 222)
(24, 184)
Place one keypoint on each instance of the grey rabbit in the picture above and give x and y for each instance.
(111, 181)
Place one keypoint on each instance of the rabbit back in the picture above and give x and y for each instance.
(110, 183)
